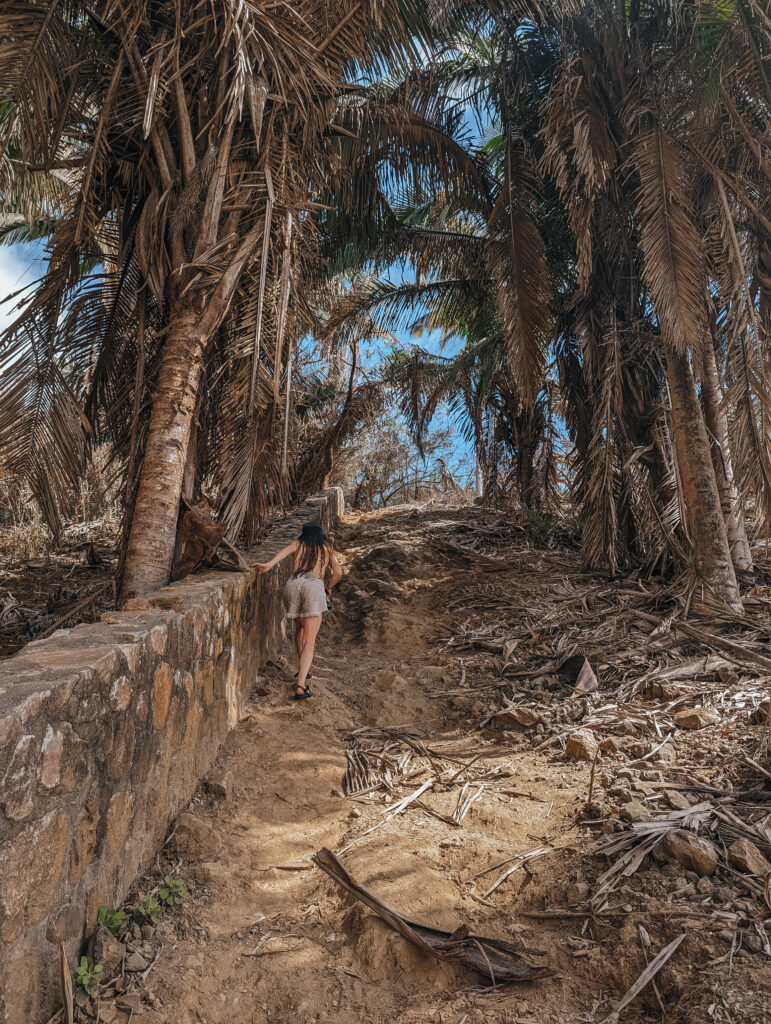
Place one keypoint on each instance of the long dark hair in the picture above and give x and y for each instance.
(314, 545)
(310, 552)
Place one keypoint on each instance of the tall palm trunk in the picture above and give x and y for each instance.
(717, 424)
(154, 524)
(704, 516)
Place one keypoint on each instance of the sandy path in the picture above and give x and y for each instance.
(258, 942)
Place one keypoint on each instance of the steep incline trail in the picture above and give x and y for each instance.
(266, 936)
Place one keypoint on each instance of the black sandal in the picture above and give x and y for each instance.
(305, 694)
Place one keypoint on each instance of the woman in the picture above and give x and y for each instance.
(305, 594)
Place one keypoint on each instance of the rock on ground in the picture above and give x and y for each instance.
(581, 746)
(746, 857)
(195, 838)
(107, 951)
(696, 718)
(689, 850)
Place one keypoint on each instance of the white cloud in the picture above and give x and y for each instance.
(19, 264)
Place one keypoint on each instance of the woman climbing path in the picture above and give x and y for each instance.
(306, 593)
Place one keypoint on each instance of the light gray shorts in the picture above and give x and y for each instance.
(303, 596)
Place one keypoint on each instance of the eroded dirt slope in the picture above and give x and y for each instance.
(266, 936)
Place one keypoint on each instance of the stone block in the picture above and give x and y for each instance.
(31, 864)
(163, 679)
(204, 679)
(121, 694)
(106, 730)
(61, 757)
(117, 822)
(6, 728)
(83, 849)
(159, 638)
(20, 1001)
(121, 755)
(19, 782)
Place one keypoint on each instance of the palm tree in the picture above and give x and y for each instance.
(196, 142)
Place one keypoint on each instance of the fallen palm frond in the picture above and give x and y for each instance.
(391, 812)
(369, 770)
(466, 798)
(520, 861)
(495, 959)
(647, 975)
(637, 842)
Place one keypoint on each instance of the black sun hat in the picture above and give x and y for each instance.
(313, 533)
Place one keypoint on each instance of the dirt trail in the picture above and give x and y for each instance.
(268, 937)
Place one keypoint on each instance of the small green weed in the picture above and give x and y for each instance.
(538, 527)
(88, 978)
(113, 920)
(173, 891)
(148, 911)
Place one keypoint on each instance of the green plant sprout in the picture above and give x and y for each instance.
(111, 919)
(88, 977)
(173, 891)
(148, 911)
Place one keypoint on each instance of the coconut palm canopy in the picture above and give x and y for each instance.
(219, 180)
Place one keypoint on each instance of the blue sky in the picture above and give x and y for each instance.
(23, 263)
(19, 265)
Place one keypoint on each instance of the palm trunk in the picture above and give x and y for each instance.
(704, 516)
(479, 487)
(717, 424)
(154, 524)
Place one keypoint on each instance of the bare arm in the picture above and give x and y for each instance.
(285, 552)
(336, 572)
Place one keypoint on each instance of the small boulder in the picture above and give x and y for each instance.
(677, 800)
(633, 810)
(761, 715)
(107, 951)
(610, 745)
(665, 755)
(581, 746)
(696, 718)
(520, 718)
(680, 846)
(746, 857)
(387, 555)
(195, 838)
(135, 963)
(577, 893)
(621, 792)
(130, 1002)
(220, 785)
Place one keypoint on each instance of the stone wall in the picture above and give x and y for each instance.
(105, 731)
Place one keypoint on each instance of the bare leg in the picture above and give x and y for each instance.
(310, 629)
(298, 636)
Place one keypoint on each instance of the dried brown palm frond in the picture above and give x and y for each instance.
(517, 258)
(675, 265)
(192, 137)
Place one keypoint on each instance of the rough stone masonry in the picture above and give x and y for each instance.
(105, 731)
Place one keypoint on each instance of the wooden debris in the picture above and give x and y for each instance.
(498, 961)
(647, 975)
